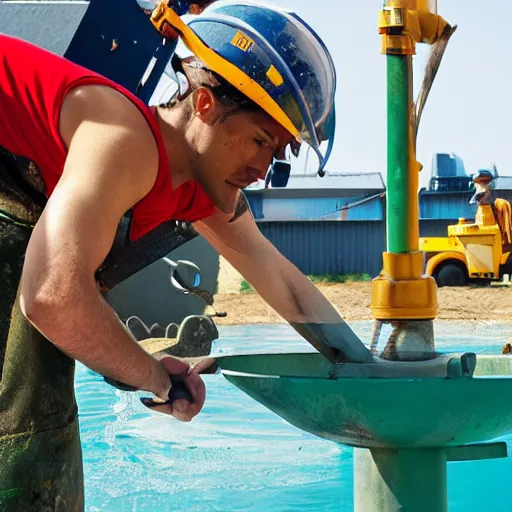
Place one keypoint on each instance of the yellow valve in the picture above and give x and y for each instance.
(431, 27)
(426, 6)
(403, 23)
(402, 291)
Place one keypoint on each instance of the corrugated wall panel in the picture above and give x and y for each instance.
(350, 247)
(446, 206)
(435, 227)
(322, 248)
(256, 204)
(452, 205)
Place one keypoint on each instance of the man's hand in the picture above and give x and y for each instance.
(181, 409)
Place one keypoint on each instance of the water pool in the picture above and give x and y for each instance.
(237, 456)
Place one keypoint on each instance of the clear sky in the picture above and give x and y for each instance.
(469, 109)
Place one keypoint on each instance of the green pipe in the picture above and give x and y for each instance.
(399, 84)
(400, 480)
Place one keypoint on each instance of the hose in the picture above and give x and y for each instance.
(434, 60)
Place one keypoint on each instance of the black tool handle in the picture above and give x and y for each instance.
(179, 390)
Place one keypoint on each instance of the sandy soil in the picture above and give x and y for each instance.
(352, 301)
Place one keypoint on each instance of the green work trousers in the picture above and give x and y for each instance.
(40, 452)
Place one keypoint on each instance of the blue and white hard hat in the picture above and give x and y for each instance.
(275, 59)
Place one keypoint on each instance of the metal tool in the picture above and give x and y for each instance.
(185, 277)
(179, 391)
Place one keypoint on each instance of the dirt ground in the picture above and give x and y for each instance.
(352, 301)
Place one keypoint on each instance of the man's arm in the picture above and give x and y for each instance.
(281, 284)
(275, 278)
(112, 163)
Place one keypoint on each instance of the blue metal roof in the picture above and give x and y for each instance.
(333, 183)
(338, 180)
(326, 208)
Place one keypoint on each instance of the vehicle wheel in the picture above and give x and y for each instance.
(451, 275)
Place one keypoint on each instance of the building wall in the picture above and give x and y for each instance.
(335, 247)
(361, 207)
(446, 205)
(342, 196)
(348, 247)
(452, 205)
(309, 208)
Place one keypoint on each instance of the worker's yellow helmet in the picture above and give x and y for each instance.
(275, 59)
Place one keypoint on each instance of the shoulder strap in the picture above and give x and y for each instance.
(126, 258)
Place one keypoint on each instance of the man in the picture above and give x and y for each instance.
(78, 152)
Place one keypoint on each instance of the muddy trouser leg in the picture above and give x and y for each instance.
(40, 452)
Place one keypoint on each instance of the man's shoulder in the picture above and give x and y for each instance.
(100, 103)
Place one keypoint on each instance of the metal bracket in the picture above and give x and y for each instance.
(479, 451)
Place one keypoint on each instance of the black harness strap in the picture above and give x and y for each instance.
(127, 258)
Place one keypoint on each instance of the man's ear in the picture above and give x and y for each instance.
(196, 9)
(205, 103)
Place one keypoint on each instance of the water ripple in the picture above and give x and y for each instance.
(237, 456)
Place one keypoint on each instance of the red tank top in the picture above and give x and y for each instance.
(33, 85)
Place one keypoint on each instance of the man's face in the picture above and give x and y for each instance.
(234, 152)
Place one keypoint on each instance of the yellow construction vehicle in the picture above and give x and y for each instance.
(478, 250)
